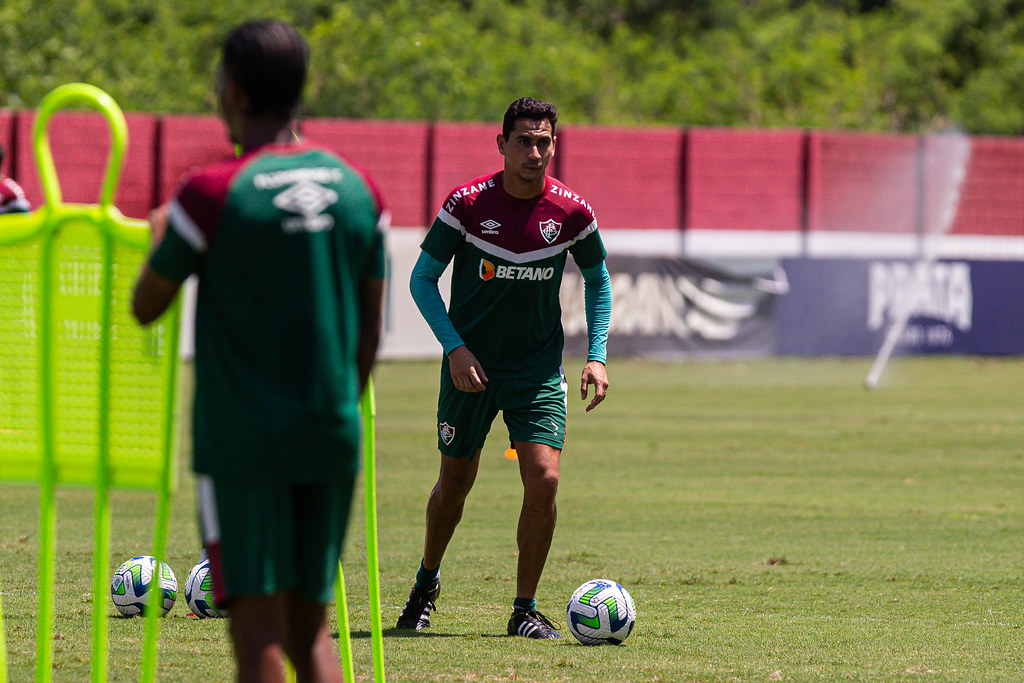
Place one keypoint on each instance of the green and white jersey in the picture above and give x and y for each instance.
(281, 239)
(508, 255)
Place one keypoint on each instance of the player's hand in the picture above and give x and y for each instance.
(467, 373)
(594, 373)
(158, 226)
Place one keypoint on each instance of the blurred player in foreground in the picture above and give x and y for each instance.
(287, 241)
(508, 235)
(12, 197)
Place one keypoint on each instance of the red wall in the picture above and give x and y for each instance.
(992, 197)
(744, 178)
(7, 126)
(80, 144)
(635, 178)
(460, 152)
(862, 182)
(631, 176)
(185, 142)
(394, 153)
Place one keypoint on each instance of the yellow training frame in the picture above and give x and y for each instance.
(87, 396)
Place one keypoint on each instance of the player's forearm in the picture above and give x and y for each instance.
(597, 296)
(423, 285)
(370, 324)
(152, 295)
(366, 356)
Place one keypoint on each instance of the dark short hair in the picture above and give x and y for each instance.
(530, 109)
(268, 60)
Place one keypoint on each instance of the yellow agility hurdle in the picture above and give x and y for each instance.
(87, 397)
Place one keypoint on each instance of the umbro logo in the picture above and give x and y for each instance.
(490, 227)
(308, 200)
(305, 198)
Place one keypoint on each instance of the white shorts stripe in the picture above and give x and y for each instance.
(207, 502)
(565, 388)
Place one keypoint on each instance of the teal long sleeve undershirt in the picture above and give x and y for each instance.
(427, 296)
(597, 299)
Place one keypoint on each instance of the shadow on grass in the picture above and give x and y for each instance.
(406, 633)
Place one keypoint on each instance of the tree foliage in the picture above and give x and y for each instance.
(902, 65)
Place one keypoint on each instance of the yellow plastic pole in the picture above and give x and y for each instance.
(344, 632)
(369, 406)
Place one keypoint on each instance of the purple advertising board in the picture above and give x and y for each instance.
(847, 306)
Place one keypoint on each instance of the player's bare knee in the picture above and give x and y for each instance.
(447, 502)
(542, 485)
(453, 489)
(455, 483)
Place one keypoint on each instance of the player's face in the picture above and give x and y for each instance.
(527, 152)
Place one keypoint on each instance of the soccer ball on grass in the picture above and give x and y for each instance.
(600, 612)
(130, 586)
(199, 592)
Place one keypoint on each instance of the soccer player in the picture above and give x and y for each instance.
(507, 235)
(287, 241)
(12, 197)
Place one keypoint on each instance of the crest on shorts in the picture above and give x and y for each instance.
(549, 230)
(447, 433)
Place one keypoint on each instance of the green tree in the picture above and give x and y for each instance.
(900, 65)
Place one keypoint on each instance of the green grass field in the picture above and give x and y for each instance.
(772, 519)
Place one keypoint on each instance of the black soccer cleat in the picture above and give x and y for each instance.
(531, 624)
(416, 613)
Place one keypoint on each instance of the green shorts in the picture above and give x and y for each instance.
(267, 538)
(534, 409)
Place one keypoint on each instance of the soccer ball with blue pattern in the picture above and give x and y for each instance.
(130, 586)
(199, 592)
(600, 612)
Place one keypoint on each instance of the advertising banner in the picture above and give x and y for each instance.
(673, 306)
(847, 306)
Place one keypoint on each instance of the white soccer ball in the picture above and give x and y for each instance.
(600, 612)
(130, 587)
(199, 592)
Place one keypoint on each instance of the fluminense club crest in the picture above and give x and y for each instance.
(447, 433)
(549, 230)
